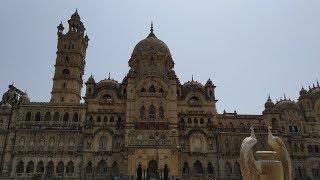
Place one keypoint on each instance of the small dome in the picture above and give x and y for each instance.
(60, 27)
(91, 80)
(8, 95)
(193, 83)
(269, 104)
(284, 103)
(209, 83)
(303, 91)
(107, 82)
(24, 99)
(75, 15)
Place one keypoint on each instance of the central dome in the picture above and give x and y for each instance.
(151, 46)
(151, 49)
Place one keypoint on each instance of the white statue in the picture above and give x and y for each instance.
(265, 165)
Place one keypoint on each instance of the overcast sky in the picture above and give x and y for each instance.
(249, 48)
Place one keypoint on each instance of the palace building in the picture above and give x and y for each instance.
(147, 126)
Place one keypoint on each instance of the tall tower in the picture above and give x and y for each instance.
(70, 62)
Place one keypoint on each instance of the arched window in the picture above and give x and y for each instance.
(295, 148)
(194, 100)
(89, 168)
(22, 141)
(302, 147)
(60, 167)
(111, 119)
(66, 72)
(142, 112)
(161, 112)
(103, 143)
(75, 117)
(189, 120)
(143, 90)
(102, 167)
(209, 120)
(71, 142)
(107, 97)
(197, 144)
(50, 168)
(210, 168)
(248, 126)
(105, 119)
(231, 126)
(152, 89)
(47, 116)
(66, 117)
(20, 167)
(152, 112)
(198, 168)
(195, 121)
(161, 90)
(56, 116)
(30, 167)
(310, 149)
(51, 142)
(316, 148)
(242, 128)
(40, 167)
(201, 121)
(220, 127)
(28, 116)
(37, 116)
(227, 145)
(237, 170)
(185, 169)
(98, 119)
(228, 168)
(115, 169)
(70, 167)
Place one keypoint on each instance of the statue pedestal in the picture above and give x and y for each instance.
(270, 168)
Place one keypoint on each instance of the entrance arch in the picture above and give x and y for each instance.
(152, 170)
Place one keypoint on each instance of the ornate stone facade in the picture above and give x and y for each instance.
(150, 119)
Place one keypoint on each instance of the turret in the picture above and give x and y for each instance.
(210, 88)
(70, 62)
(90, 86)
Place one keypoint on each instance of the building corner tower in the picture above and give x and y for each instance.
(70, 62)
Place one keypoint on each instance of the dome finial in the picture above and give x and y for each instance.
(192, 78)
(151, 27)
(151, 30)
(109, 76)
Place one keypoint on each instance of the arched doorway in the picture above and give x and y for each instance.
(165, 172)
(139, 172)
(152, 170)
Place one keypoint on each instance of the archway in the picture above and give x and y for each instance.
(152, 170)
(165, 172)
(50, 168)
(139, 172)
